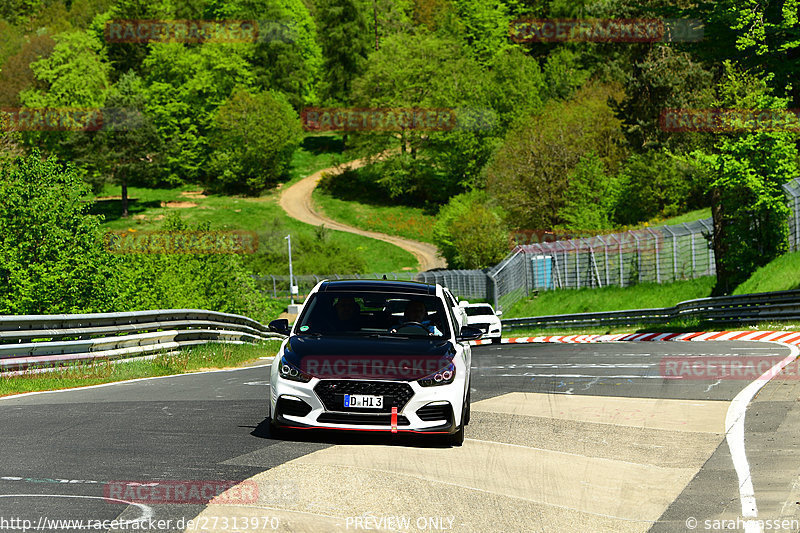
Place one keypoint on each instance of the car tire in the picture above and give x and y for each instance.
(469, 411)
(276, 431)
(457, 438)
(497, 340)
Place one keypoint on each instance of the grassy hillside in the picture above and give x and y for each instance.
(782, 274)
(400, 220)
(642, 296)
(149, 206)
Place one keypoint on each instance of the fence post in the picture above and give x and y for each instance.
(674, 253)
(274, 288)
(605, 256)
(638, 258)
(694, 261)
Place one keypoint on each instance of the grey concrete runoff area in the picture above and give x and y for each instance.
(563, 437)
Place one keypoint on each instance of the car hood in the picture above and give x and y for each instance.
(369, 358)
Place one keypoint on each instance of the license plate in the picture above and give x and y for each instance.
(363, 401)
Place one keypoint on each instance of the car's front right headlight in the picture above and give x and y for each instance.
(287, 370)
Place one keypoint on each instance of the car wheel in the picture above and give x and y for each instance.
(496, 340)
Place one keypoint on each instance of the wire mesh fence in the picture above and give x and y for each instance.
(466, 284)
(658, 254)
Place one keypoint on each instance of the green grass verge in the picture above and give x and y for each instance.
(691, 216)
(676, 326)
(641, 296)
(208, 356)
(782, 274)
(398, 220)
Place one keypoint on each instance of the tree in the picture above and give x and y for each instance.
(128, 148)
(218, 281)
(484, 25)
(530, 172)
(185, 86)
(253, 140)
(470, 233)
(762, 37)
(130, 56)
(664, 78)
(749, 208)
(344, 40)
(76, 74)
(18, 10)
(52, 256)
(17, 76)
(658, 184)
(589, 204)
(288, 61)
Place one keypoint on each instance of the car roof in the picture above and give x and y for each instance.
(378, 285)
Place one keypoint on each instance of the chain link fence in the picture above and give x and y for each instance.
(658, 254)
(466, 284)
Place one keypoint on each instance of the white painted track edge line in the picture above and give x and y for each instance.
(734, 435)
(33, 393)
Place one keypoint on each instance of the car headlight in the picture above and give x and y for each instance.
(444, 376)
(287, 370)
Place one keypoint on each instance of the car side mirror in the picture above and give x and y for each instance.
(280, 326)
(499, 313)
(468, 333)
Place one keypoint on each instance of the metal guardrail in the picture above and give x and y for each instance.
(46, 340)
(746, 308)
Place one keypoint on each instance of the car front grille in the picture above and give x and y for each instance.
(482, 327)
(331, 392)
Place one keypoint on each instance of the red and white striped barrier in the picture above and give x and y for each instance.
(789, 337)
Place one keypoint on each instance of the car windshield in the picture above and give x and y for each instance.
(367, 314)
(479, 311)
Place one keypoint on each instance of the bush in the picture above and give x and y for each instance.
(658, 184)
(470, 233)
(218, 282)
(52, 256)
(254, 139)
(311, 254)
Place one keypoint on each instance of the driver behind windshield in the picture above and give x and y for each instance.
(416, 312)
(347, 314)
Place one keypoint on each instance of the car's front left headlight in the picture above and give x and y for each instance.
(287, 370)
(444, 376)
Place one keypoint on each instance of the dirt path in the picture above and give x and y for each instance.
(298, 204)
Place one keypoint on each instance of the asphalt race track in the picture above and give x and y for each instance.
(563, 437)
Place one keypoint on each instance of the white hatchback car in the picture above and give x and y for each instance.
(483, 317)
(374, 355)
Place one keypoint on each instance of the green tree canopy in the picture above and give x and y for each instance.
(530, 173)
(52, 255)
(253, 140)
